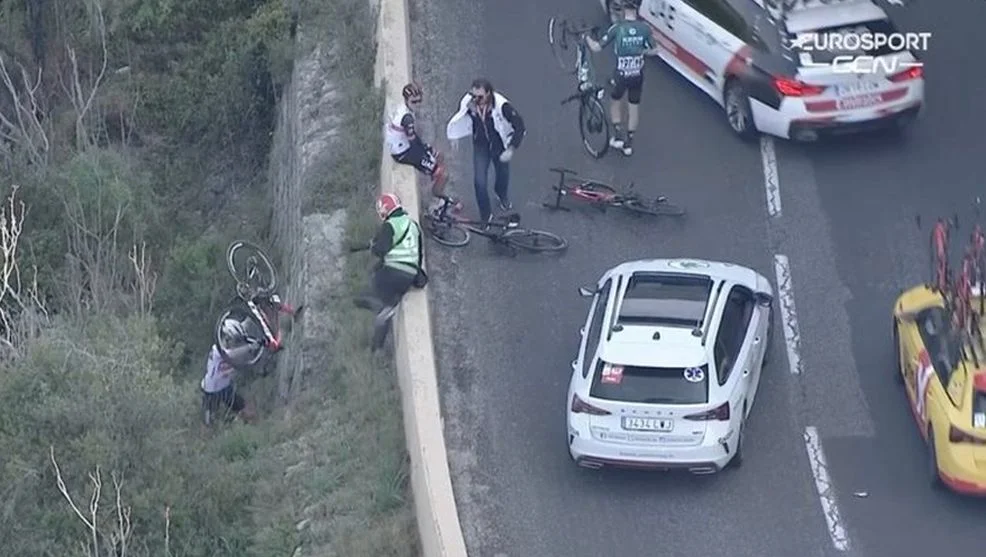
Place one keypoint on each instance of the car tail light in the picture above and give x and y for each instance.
(795, 88)
(956, 435)
(719, 414)
(916, 72)
(580, 406)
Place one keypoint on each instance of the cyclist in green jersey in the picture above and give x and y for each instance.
(631, 40)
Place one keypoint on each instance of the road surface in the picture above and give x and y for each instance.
(842, 237)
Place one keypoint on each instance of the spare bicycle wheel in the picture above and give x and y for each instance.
(250, 265)
(594, 127)
(448, 234)
(656, 208)
(563, 45)
(535, 240)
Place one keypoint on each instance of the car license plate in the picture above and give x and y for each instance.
(647, 424)
(858, 88)
(861, 101)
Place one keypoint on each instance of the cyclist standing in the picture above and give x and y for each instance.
(631, 40)
(218, 390)
(407, 147)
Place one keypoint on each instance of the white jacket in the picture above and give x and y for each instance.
(460, 125)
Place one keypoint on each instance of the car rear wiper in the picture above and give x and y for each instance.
(658, 400)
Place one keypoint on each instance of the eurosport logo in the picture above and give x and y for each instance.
(842, 48)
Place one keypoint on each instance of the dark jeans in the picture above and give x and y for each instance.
(419, 155)
(481, 160)
(389, 285)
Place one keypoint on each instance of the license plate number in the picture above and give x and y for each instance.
(647, 424)
(856, 88)
(861, 101)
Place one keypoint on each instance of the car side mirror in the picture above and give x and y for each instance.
(575, 365)
(586, 292)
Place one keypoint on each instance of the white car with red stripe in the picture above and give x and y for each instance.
(668, 366)
(742, 54)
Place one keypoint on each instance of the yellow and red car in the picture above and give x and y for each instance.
(944, 377)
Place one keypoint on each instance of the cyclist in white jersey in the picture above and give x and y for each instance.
(407, 147)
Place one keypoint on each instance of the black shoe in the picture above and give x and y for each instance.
(368, 303)
(505, 204)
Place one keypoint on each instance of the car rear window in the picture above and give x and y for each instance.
(878, 27)
(654, 385)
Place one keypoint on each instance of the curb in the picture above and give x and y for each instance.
(434, 504)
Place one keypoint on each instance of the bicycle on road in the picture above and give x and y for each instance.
(504, 232)
(603, 196)
(567, 40)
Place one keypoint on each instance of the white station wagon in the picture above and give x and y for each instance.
(668, 366)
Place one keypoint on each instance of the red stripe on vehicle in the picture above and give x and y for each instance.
(691, 61)
(739, 62)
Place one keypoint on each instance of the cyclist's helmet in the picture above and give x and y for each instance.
(387, 203)
(233, 329)
(412, 92)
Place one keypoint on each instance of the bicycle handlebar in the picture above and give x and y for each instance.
(562, 171)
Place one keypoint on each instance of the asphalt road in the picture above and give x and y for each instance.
(507, 329)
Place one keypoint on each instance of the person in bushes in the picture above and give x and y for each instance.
(407, 147)
(397, 244)
(219, 390)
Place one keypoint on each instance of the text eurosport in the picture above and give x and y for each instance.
(862, 42)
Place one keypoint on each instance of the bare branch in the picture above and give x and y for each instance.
(64, 491)
(145, 281)
(81, 99)
(23, 126)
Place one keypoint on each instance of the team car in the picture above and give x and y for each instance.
(749, 56)
(668, 365)
(945, 381)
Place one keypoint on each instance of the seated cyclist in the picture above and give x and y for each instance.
(406, 147)
(631, 39)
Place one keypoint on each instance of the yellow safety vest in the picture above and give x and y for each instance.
(404, 254)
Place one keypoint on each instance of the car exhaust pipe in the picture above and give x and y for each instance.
(590, 464)
(806, 135)
(703, 470)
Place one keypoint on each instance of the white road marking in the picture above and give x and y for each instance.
(768, 158)
(789, 316)
(826, 491)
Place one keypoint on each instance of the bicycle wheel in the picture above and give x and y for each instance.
(249, 264)
(563, 45)
(240, 351)
(593, 126)
(448, 234)
(656, 208)
(535, 240)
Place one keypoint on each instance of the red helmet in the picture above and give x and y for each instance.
(387, 203)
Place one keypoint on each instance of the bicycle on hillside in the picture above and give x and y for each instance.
(503, 232)
(604, 196)
(566, 40)
(249, 330)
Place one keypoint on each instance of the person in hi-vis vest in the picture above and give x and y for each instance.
(497, 130)
(397, 244)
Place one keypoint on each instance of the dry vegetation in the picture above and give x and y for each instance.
(133, 143)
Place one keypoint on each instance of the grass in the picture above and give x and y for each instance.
(336, 478)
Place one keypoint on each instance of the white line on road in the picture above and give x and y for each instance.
(789, 316)
(769, 160)
(826, 491)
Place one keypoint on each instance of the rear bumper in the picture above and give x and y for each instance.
(824, 127)
(965, 487)
(708, 458)
(960, 472)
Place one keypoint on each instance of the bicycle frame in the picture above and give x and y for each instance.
(584, 71)
(599, 198)
(269, 320)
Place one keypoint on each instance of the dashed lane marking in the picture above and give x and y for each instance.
(826, 491)
(768, 158)
(789, 315)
